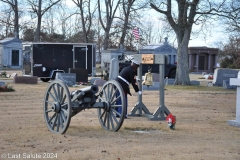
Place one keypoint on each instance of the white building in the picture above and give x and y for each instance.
(11, 53)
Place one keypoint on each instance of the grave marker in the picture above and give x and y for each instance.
(68, 78)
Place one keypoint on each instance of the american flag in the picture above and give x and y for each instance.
(136, 33)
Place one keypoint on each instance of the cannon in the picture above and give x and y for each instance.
(60, 106)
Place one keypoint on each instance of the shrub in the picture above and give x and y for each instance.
(6, 89)
(4, 74)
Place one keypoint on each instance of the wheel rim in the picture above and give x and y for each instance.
(57, 107)
(107, 115)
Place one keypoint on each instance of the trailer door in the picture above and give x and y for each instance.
(80, 57)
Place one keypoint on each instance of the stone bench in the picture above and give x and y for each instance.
(26, 79)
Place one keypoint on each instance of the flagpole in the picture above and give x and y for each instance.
(137, 45)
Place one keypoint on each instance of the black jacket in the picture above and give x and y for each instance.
(128, 73)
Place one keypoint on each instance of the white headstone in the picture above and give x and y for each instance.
(236, 82)
(114, 69)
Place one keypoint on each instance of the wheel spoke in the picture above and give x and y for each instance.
(116, 105)
(58, 122)
(50, 110)
(59, 93)
(55, 92)
(113, 95)
(115, 119)
(111, 119)
(61, 120)
(54, 123)
(102, 114)
(112, 102)
(52, 96)
(107, 116)
(50, 102)
(105, 94)
(63, 116)
(64, 110)
(110, 93)
(52, 117)
(102, 100)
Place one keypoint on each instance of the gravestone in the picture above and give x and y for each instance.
(13, 75)
(221, 74)
(25, 79)
(226, 85)
(155, 86)
(169, 81)
(155, 77)
(114, 69)
(2, 84)
(99, 82)
(194, 82)
(92, 80)
(81, 74)
(236, 82)
(68, 78)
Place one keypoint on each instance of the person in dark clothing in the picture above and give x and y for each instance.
(125, 78)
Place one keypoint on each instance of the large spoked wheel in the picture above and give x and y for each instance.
(57, 107)
(111, 117)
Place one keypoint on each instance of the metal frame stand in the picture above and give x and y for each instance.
(160, 112)
(162, 109)
(139, 106)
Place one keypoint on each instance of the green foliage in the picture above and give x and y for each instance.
(230, 55)
(4, 74)
(6, 89)
(227, 62)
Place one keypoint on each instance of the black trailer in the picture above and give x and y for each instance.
(47, 59)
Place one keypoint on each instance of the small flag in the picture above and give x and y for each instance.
(136, 33)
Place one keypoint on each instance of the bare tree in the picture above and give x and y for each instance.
(110, 10)
(6, 24)
(86, 17)
(130, 10)
(39, 11)
(189, 12)
(233, 20)
(14, 6)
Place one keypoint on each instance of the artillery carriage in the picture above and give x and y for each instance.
(60, 106)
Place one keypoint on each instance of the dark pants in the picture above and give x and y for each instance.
(118, 102)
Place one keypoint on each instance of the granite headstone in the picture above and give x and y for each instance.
(221, 74)
(99, 82)
(92, 80)
(2, 84)
(68, 78)
(114, 69)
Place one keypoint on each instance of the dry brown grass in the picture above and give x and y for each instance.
(201, 131)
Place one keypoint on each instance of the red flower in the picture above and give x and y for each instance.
(171, 119)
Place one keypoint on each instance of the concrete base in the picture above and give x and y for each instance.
(234, 123)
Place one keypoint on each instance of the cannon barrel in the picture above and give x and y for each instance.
(93, 89)
(87, 91)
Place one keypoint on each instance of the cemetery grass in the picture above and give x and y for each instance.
(202, 131)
